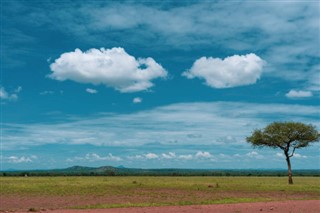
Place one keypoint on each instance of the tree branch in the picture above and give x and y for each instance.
(294, 148)
(280, 147)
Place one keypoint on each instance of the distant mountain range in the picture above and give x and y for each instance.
(122, 171)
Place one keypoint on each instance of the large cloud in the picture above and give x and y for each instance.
(232, 71)
(111, 67)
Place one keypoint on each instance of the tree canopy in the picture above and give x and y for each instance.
(285, 135)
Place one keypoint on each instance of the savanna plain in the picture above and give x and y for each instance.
(49, 193)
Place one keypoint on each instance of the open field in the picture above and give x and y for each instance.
(23, 193)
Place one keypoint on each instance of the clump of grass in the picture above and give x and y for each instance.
(32, 209)
(217, 185)
(134, 182)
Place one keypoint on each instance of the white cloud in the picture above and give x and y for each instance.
(22, 159)
(112, 67)
(186, 157)
(93, 157)
(136, 157)
(254, 154)
(47, 92)
(151, 156)
(299, 94)
(180, 26)
(18, 89)
(137, 100)
(4, 95)
(297, 155)
(92, 91)
(216, 122)
(232, 71)
(170, 155)
(201, 154)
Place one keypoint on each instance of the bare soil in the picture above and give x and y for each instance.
(297, 206)
(24, 202)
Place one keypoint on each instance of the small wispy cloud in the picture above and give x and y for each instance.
(91, 91)
(93, 157)
(186, 157)
(201, 154)
(20, 159)
(297, 155)
(6, 96)
(255, 154)
(172, 155)
(47, 92)
(299, 94)
(169, 155)
(18, 89)
(137, 100)
(151, 156)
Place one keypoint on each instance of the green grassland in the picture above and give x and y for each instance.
(157, 191)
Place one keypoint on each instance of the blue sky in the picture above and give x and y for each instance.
(151, 84)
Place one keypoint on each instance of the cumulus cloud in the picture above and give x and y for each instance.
(92, 91)
(137, 100)
(176, 26)
(170, 155)
(233, 71)
(299, 94)
(22, 159)
(4, 95)
(151, 156)
(201, 154)
(93, 157)
(254, 154)
(112, 67)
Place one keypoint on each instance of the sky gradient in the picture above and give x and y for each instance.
(149, 84)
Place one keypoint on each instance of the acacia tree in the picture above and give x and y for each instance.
(287, 136)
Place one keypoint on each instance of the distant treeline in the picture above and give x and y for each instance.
(114, 171)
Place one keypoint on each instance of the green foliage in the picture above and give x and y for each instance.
(284, 135)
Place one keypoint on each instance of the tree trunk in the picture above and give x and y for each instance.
(289, 169)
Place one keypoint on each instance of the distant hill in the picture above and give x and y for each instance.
(122, 171)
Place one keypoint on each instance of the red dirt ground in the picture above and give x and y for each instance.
(297, 206)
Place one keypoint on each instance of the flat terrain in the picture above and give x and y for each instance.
(297, 206)
(54, 193)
